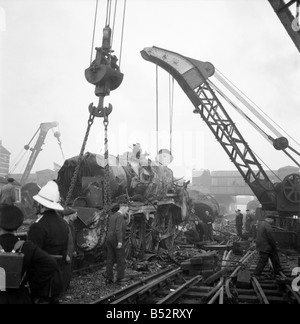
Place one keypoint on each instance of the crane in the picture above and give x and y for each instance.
(43, 130)
(290, 22)
(193, 77)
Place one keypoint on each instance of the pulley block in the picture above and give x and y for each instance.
(281, 143)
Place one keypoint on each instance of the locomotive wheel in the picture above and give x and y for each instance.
(291, 188)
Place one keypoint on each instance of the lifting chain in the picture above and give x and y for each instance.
(107, 191)
(80, 157)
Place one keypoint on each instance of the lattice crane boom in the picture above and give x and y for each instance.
(289, 20)
(192, 76)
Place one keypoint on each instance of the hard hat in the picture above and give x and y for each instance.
(49, 196)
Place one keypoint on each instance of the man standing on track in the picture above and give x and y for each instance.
(239, 223)
(115, 242)
(267, 247)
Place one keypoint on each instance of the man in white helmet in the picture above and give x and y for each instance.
(50, 231)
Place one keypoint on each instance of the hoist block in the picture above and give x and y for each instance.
(104, 74)
(100, 112)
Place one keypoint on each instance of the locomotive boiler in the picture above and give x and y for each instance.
(158, 203)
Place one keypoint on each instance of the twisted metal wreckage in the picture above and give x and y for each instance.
(93, 184)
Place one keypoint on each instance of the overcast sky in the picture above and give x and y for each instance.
(46, 46)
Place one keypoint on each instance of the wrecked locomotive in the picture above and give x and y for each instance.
(158, 202)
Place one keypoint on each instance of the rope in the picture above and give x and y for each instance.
(267, 167)
(122, 34)
(94, 30)
(171, 107)
(59, 143)
(18, 162)
(259, 108)
(34, 135)
(250, 107)
(25, 162)
(108, 13)
(264, 134)
(157, 125)
(114, 22)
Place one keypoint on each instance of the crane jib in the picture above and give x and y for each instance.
(192, 75)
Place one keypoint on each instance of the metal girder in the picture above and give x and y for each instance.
(44, 128)
(287, 19)
(192, 76)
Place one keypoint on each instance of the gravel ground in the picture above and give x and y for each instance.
(90, 286)
(87, 288)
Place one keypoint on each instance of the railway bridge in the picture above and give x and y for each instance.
(226, 186)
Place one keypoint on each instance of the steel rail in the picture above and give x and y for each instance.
(127, 290)
(259, 292)
(245, 258)
(175, 295)
(140, 291)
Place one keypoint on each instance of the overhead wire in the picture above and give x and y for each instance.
(265, 135)
(171, 109)
(255, 112)
(108, 13)
(157, 111)
(59, 142)
(222, 94)
(252, 123)
(24, 164)
(256, 106)
(122, 33)
(24, 153)
(247, 104)
(18, 162)
(94, 31)
(264, 163)
(114, 23)
(17, 159)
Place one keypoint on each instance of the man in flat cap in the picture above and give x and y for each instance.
(239, 223)
(267, 246)
(7, 193)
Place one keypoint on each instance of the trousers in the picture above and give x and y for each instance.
(115, 256)
(263, 260)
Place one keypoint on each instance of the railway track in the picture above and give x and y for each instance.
(173, 286)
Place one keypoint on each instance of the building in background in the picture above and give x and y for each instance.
(4, 160)
(40, 177)
(230, 189)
